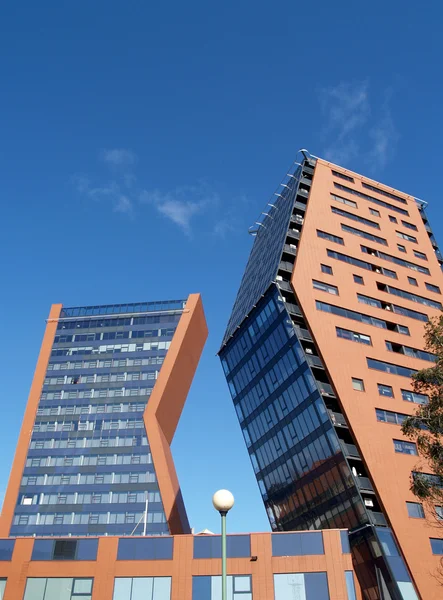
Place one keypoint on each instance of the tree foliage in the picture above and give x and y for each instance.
(426, 426)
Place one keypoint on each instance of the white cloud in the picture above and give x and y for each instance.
(118, 157)
(124, 205)
(355, 128)
(182, 204)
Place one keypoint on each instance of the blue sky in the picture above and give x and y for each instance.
(138, 141)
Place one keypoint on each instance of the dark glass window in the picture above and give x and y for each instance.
(383, 192)
(393, 219)
(348, 215)
(421, 255)
(358, 279)
(406, 236)
(237, 546)
(87, 549)
(409, 225)
(380, 365)
(344, 538)
(364, 234)
(395, 260)
(355, 316)
(331, 237)
(401, 248)
(42, 550)
(403, 447)
(297, 544)
(412, 281)
(326, 269)
(6, 549)
(414, 397)
(344, 200)
(145, 549)
(325, 287)
(350, 586)
(371, 199)
(436, 545)
(343, 176)
(432, 288)
(385, 390)
(387, 416)
(374, 212)
(353, 336)
(415, 510)
(65, 550)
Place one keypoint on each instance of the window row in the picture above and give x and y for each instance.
(395, 308)
(325, 287)
(77, 442)
(386, 390)
(113, 335)
(88, 425)
(71, 518)
(380, 365)
(395, 260)
(352, 217)
(93, 479)
(110, 349)
(353, 336)
(91, 409)
(355, 316)
(383, 192)
(101, 378)
(411, 352)
(97, 393)
(361, 264)
(387, 205)
(118, 321)
(83, 460)
(363, 234)
(389, 289)
(89, 498)
(100, 364)
(403, 447)
(331, 237)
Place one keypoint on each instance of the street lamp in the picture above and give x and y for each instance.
(223, 501)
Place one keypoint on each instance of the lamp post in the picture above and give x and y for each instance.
(223, 501)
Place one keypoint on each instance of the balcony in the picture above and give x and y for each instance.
(289, 249)
(314, 361)
(293, 234)
(337, 419)
(300, 205)
(303, 334)
(284, 285)
(306, 181)
(302, 192)
(325, 389)
(364, 484)
(377, 518)
(292, 309)
(286, 266)
(349, 450)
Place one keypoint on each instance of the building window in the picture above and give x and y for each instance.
(414, 397)
(331, 237)
(387, 416)
(401, 248)
(325, 287)
(439, 512)
(380, 365)
(432, 288)
(135, 588)
(344, 201)
(145, 549)
(393, 219)
(415, 510)
(364, 234)
(358, 279)
(297, 544)
(353, 336)
(2, 587)
(436, 545)
(348, 215)
(350, 586)
(358, 384)
(371, 199)
(49, 588)
(406, 236)
(326, 269)
(403, 447)
(383, 192)
(409, 225)
(207, 587)
(344, 538)
(374, 212)
(412, 281)
(237, 546)
(385, 390)
(421, 255)
(301, 585)
(343, 176)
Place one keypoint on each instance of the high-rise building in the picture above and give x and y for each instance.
(107, 394)
(325, 333)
